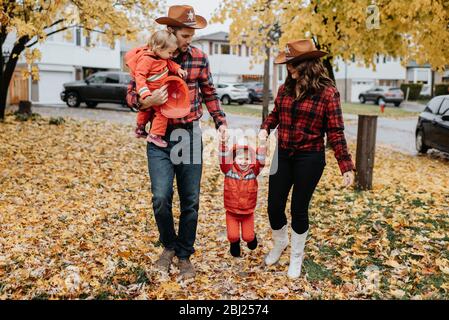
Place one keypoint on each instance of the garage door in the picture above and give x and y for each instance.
(50, 85)
(359, 86)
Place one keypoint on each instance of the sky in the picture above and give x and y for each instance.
(204, 8)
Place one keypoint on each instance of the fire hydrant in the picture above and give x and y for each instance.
(382, 106)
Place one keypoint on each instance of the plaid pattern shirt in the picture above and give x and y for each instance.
(196, 63)
(302, 124)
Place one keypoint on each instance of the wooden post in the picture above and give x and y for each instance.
(366, 146)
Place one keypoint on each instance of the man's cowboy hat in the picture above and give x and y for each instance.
(183, 16)
(178, 102)
(299, 50)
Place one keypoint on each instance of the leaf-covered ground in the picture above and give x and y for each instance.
(76, 221)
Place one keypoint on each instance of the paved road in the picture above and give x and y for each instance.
(396, 133)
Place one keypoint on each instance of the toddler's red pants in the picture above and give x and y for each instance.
(233, 223)
(159, 123)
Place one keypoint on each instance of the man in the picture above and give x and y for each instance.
(182, 21)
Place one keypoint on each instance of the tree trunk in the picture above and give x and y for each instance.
(7, 72)
(266, 85)
(330, 69)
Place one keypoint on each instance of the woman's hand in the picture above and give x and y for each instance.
(263, 135)
(157, 98)
(348, 178)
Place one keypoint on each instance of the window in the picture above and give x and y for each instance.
(280, 73)
(78, 37)
(97, 78)
(225, 49)
(112, 78)
(222, 86)
(240, 50)
(239, 86)
(211, 48)
(247, 51)
(126, 78)
(216, 48)
(444, 107)
(434, 105)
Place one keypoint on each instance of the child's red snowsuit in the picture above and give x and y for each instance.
(240, 191)
(149, 71)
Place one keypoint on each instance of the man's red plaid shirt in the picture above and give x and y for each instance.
(199, 78)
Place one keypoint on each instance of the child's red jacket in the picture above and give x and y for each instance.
(240, 188)
(148, 70)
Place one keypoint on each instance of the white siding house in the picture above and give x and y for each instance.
(228, 63)
(353, 78)
(66, 60)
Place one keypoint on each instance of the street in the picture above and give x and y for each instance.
(398, 134)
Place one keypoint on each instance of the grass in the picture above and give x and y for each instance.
(370, 109)
(348, 108)
(244, 110)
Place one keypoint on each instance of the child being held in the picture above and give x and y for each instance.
(149, 66)
(241, 166)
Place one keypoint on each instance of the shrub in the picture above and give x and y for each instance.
(57, 121)
(415, 90)
(441, 89)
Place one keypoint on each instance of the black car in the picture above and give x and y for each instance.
(432, 130)
(256, 91)
(100, 87)
(386, 94)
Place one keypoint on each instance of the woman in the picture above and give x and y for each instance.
(307, 106)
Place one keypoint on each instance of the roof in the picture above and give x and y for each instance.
(217, 36)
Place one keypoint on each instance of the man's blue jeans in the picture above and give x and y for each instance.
(183, 159)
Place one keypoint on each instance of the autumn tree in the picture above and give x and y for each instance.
(255, 23)
(30, 22)
(412, 30)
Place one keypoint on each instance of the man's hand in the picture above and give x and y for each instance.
(348, 178)
(158, 97)
(223, 131)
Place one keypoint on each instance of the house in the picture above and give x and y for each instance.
(352, 78)
(66, 58)
(229, 63)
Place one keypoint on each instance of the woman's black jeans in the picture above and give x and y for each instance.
(303, 171)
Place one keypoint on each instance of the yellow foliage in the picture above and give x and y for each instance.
(414, 30)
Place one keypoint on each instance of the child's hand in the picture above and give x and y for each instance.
(182, 73)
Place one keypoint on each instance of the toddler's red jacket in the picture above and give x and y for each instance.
(148, 70)
(240, 187)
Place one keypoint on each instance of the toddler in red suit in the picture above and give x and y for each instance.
(241, 166)
(149, 66)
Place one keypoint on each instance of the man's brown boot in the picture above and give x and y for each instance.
(187, 271)
(165, 260)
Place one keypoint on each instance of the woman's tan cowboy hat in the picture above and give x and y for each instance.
(299, 50)
(183, 16)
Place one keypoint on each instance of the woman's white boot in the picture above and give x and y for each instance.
(280, 242)
(296, 254)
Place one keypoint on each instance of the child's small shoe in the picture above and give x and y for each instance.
(140, 132)
(235, 249)
(157, 140)
(252, 244)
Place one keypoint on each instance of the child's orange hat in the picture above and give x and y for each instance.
(178, 103)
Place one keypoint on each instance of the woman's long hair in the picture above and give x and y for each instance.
(313, 79)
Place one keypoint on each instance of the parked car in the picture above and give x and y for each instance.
(432, 130)
(387, 94)
(256, 91)
(232, 92)
(100, 87)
